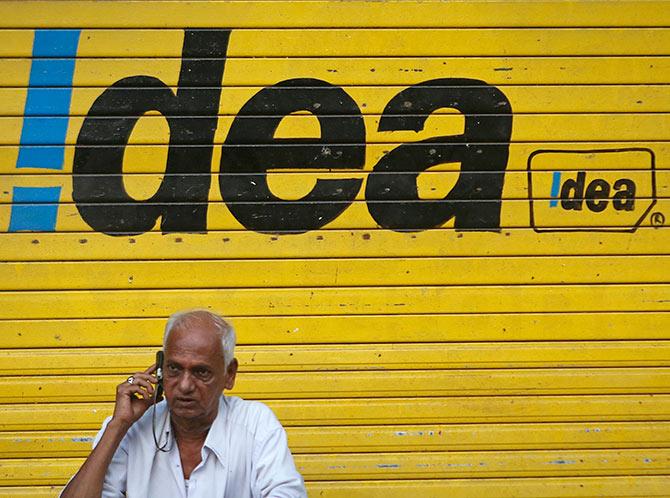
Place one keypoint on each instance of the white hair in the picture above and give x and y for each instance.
(187, 317)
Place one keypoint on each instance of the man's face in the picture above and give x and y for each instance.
(194, 375)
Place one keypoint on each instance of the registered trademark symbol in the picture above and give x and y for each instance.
(657, 219)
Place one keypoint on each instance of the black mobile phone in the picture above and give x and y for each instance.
(159, 376)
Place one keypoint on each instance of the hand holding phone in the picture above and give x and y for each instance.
(134, 396)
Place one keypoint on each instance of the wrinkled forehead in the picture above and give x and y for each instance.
(196, 336)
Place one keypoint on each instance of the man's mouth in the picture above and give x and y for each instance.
(184, 401)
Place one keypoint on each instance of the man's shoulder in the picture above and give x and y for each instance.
(253, 417)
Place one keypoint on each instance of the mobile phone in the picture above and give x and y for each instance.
(158, 395)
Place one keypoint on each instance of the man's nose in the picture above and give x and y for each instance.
(186, 384)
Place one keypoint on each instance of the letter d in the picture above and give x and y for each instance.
(191, 114)
(572, 193)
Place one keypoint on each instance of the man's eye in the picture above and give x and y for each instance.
(172, 369)
(203, 374)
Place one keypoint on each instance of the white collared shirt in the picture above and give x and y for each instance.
(245, 455)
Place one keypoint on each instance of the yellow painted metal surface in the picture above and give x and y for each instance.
(298, 385)
(354, 466)
(440, 229)
(547, 487)
(341, 300)
(382, 438)
(528, 127)
(432, 185)
(515, 214)
(481, 13)
(143, 158)
(583, 487)
(323, 273)
(526, 99)
(302, 329)
(390, 411)
(382, 357)
(374, 439)
(365, 42)
(329, 243)
(387, 71)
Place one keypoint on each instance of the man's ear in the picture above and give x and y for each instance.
(231, 372)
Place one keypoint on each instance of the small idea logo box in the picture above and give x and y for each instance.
(609, 190)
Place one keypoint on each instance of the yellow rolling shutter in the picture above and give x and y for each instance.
(440, 229)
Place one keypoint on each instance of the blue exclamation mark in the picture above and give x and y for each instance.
(45, 121)
(555, 188)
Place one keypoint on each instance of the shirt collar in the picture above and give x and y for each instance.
(215, 440)
(161, 424)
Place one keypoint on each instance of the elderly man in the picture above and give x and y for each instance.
(197, 444)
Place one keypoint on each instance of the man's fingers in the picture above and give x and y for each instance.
(136, 387)
(143, 383)
(132, 390)
(145, 376)
(139, 386)
(151, 369)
